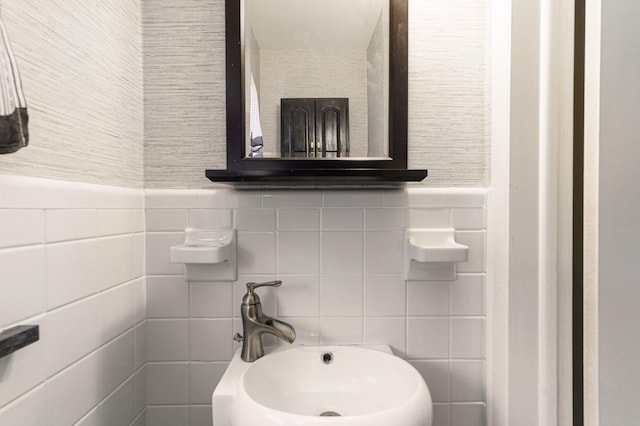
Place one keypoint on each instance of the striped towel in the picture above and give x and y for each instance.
(255, 129)
(13, 107)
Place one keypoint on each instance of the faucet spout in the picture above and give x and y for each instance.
(255, 327)
(282, 330)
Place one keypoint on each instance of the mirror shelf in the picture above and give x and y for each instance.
(342, 177)
(243, 169)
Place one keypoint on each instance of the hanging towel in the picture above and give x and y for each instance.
(255, 129)
(14, 133)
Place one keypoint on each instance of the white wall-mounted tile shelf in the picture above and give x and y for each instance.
(208, 254)
(431, 254)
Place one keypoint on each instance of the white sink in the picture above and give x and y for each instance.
(361, 385)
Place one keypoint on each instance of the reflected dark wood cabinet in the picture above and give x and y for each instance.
(314, 127)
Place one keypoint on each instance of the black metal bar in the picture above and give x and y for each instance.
(578, 214)
(18, 337)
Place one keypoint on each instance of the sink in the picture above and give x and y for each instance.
(322, 385)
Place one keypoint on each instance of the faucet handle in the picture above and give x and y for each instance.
(251, 298)
(252, 286)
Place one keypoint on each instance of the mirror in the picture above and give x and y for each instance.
(316, 78)
(360, 144)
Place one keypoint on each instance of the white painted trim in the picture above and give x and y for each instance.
(548, 226)
(524, 218)
(563, 72)
(547, 231)
(555, 213)
(497, 289)
(529, 297)
(29, 192)
(591, 213)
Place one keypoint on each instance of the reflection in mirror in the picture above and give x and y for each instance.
(316, 78)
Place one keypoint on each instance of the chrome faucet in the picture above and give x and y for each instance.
(255, 323)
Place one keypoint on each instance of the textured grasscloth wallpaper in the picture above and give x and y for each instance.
(81, 68)
(449, 101)
(184, 91)
(449, 91)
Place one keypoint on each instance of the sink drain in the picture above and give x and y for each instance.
(330, 414)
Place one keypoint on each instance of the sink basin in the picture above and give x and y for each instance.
(323, 385)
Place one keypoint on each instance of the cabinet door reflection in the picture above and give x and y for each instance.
(314, 127)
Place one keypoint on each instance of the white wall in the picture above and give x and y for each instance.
(618, 292)
(72, 253)
(340, 256)
(72, 261)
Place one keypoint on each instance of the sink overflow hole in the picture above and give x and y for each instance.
(330, 414)
(327, 358)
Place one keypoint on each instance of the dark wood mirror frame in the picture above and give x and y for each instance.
(318, 171)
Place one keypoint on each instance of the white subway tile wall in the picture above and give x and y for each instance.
(72, 260)
(76, 260)
(340, 256)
